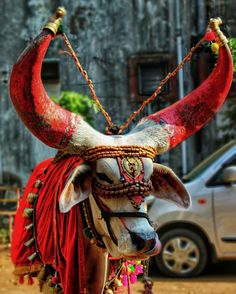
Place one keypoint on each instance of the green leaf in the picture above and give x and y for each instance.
(77, 103)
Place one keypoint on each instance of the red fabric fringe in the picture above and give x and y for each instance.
(69, 230)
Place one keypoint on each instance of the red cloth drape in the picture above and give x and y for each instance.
(69, 235)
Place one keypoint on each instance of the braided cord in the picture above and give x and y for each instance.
(160, 86)
(144, 104)
(88, 80)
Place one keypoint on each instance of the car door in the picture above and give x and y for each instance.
(224, 204)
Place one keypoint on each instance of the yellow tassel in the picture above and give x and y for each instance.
(42, 275)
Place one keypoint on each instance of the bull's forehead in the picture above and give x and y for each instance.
(116, 167)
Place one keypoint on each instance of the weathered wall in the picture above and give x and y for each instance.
(105, 33)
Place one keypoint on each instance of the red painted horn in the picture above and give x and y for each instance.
(189, 114)
(49, 122)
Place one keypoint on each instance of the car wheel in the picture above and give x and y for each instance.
(183, 254)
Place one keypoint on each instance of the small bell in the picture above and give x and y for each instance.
(42, 275)
(31, 198)
(38, 184)
(108, 291)
(32, 257)
(29, 227)
(28, 212)
(117, 283)
(29, 243)
(49, 282)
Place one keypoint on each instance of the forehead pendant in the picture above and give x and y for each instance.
(132, 170)
(132, 166)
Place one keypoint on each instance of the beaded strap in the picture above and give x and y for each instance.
(95, 153)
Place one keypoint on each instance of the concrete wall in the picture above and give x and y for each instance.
(106, 34)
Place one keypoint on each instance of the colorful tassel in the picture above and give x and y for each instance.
(124, 280)
(21, 279)
(133, 278)
(55, 280)
(42, 275)
(30, 280)
(209, 36)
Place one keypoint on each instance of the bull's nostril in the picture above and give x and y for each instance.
(137, 240)
(151, 245)
(143, 242)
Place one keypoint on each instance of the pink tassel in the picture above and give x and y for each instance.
(21, 279)
(124, 280)
(133, 278)
(138, 269)
(30, 280)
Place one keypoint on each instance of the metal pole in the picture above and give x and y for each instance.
(180, 78)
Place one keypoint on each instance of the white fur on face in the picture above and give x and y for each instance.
(120, 227)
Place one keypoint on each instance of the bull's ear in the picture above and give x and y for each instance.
(168, 186)
(77, 188)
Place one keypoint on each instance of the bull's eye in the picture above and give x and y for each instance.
(104, 177)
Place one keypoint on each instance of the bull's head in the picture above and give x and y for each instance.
(118, 172)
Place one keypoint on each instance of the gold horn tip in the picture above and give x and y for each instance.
(215, 22)
(55, 21)
(61, 11)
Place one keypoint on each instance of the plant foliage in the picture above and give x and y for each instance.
(77, 103)
(232, 46)
(228, 127)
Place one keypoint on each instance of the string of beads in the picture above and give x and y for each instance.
(97, 152)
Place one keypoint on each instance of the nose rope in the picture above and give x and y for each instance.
(107, 214)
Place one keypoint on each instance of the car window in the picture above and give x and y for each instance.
(199, 169)
(217, 179)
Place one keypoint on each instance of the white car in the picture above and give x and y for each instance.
(207, 230)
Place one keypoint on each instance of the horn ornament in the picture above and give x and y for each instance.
(189, 114)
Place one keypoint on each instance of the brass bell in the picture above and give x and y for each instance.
(32, 257)
(38, 184)
(117, 283)
(28, 212)
(108, 291)
(42, 275)
(31, 198)
(29, 227)
(49, 282)
(29, 243)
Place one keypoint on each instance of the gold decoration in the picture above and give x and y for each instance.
(32, 257)
(31, 198)
(42, 275)
(29, 227)
(49, 282)
(55, 21)
(28, 212)
(29, 243)
(108, 291)
(214, 24)
(132, 165)
(38, 184)
(95, 153)
(117, 283)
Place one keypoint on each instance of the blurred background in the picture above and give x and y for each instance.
(127, 47)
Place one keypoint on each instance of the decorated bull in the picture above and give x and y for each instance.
(90, 199)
